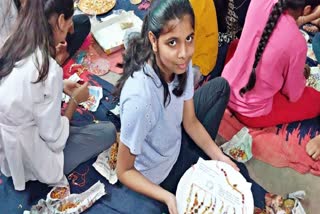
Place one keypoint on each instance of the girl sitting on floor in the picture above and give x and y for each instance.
(156, 99)
(36, 142)
(266, 73)
(269, 83)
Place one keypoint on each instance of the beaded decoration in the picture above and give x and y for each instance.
(206, 205)
(233, 186)
(189, 199)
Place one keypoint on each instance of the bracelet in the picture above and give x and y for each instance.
(74, 100)
(302, 20)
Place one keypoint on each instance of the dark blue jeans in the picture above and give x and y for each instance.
(316, 46)
(82, 28)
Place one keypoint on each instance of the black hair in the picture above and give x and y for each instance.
(221, 11)
(33, 31)
(140, 51)
(276, 12)
(17, 3)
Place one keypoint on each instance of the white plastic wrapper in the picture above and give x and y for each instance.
(92, 104)
(105, 164)
(95, 95)
(71, 204)
(240, 146)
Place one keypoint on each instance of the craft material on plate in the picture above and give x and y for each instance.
(214, 187)
(135, 1)
(99, 66)
(96, 7)
(58, 193)
(314, 78)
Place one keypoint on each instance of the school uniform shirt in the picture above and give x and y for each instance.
(151, 131)
(32, 132)
(280, 68)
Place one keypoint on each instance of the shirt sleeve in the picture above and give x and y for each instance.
(53, 128)
(137, 119)
(294, 80)
(189, 90)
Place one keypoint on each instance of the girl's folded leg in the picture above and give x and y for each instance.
(87, 142)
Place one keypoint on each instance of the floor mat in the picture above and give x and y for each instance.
(15, 202)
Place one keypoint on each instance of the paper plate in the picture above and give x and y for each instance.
(96, 7)
(209, 192)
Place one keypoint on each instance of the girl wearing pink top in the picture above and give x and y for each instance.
(266, 73)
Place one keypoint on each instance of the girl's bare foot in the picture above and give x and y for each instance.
(310, 28)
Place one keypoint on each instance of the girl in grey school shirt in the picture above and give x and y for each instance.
(157, 96)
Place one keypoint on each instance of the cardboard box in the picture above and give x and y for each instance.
(110, 33)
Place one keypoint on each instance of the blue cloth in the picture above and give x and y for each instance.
(316, 46)
(115, 201)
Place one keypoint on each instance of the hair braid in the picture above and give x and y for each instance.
(277, 10)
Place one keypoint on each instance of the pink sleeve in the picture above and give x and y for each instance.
(294, 80)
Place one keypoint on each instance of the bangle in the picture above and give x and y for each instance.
(302, 20)
(74, 100)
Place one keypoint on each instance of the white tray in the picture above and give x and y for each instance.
(209, 182)
(109, 33)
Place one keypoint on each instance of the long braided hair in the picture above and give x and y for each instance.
(276, 12)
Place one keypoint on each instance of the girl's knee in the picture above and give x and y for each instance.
(109, 131)
(223, 85)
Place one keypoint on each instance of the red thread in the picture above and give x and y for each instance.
(75, 176)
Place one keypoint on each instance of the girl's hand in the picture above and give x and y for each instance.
(227, 160)
(171, 202)
(69, 87)
(81, 94)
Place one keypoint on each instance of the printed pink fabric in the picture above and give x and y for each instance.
(279, 146)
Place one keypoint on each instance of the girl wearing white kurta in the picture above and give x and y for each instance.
(36, 142)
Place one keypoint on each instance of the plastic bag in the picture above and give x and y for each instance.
(240, 146)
